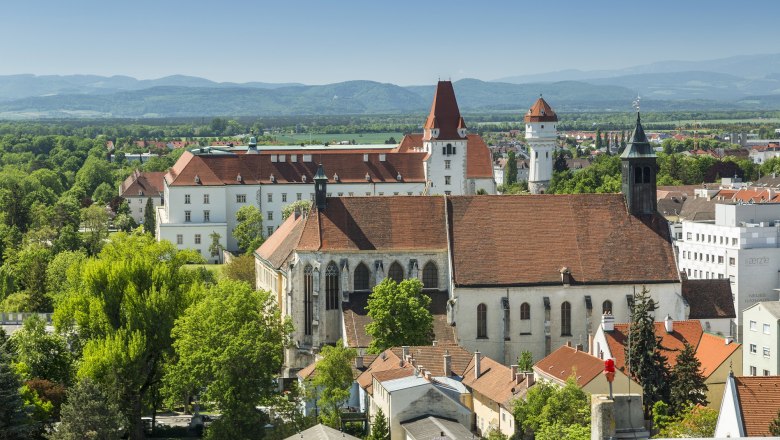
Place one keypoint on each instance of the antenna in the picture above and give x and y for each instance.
(636, 103)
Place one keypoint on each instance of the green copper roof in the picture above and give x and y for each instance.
(638, 146)
(320, 173)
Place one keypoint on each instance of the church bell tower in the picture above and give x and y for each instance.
(639, 169)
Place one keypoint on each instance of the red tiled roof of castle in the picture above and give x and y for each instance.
(147, 183)
(478, 157)
(445, 114)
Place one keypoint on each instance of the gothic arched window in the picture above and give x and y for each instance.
(308, 305)
(525, 311)
(396, 272)
(430, 276)
(648, 174)
(565, 319)
(332, 287)
(637, 174)
(361, 277)
(482, 321)
(606, 307)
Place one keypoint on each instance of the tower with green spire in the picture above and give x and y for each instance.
(639, 169)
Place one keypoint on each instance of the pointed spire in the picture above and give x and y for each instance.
(638, 146)
(445, 115)
(541, 112)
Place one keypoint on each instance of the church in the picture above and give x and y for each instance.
(207, 186)
(505, 273)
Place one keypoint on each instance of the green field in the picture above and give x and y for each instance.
(706, 122)
(321, 138)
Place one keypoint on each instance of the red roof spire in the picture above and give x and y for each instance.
(445, 115)
(541, 112)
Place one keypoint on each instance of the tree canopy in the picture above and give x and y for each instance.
(332, 381)
(400, 314)
(249, 228)
(552, 412)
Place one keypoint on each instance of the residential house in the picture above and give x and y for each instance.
(138, 188)
(587, 370)
(710, 301)
(719, 356)
(749, 406)
(762, 339)
(436, 428)
(321, 432)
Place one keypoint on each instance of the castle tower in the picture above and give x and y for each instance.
(541, 133)
(638, 169)
(445, 139)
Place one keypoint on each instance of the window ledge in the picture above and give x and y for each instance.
(525, 333)
(482, 337)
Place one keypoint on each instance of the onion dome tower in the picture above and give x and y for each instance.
(541, 134)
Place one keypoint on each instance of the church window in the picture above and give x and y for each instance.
(361, 277)
(332, 287)
(396, 272)
(637, 174)
(308, 305)
(648, 174)
(482, 321)
(565, 319)
(606, 307)
(430, 276)
(525, 311)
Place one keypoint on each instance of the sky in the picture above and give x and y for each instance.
(401, 42)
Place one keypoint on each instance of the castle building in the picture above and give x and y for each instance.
(206, 187)
(541, 134)
(505, 273)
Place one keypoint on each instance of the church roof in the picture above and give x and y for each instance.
(638, 146)
(541, 112)
(592, 235)
(445, 114)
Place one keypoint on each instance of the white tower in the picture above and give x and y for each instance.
(541, 133)
(445, 140)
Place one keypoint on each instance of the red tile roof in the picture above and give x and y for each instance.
(713, 351)
(567, 361)
(147, 183)
(276, 248)
(225, 168)
(376, 223)
(445, 114)
(541, 112)
(494, 382)
(759, 401)
(592, 235)
(478, 157)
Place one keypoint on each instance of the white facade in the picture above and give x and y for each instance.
(741, 246)
(544, 332)
(761, 340)
(730, 416)
(542, 140)
(137, 205)
(445, 167)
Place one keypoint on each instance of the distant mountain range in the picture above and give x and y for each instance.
(736, 83)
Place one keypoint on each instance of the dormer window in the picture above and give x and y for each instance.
(273, 178)
(368, 177)
(239, 178)
(398, 177)
(197, 179)
(303, 178)
(336, 177)
(365, 157)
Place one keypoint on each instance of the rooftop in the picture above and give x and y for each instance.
(759, 400)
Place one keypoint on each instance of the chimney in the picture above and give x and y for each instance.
(447, 363)
(434, 342)
(404, 352)
(669, 324)
(728, 340)
(427, 375)
(529, 378)
(477, 371)
(358, 362)
(514, 370)
(568, 343)
(297, 213)
(590, 343)
(565, 276)
(519, 378)
(608, 322)
(578, 347)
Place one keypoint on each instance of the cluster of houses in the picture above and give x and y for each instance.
(554, 275)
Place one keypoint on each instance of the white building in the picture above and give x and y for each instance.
(507, 273)
(741, 245)
(206, 187)
(138, 188)
(761, 339)
(541, 134)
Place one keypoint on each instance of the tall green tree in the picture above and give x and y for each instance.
(94, 219)
(400, 315)
(332, 380)
(121, 309)
(553, 412)
(688, 387)
(379, 429)
(215, 248)
(15, 416)
(89, 413)
(598, 139)
(149, 217)
(646, 364)
(510, 170)
(229, 345)
(303, 206)
(525, 362)
(249, 228)
(241, 268)
(41, 355)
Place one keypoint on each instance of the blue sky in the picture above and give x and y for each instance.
(403, 42)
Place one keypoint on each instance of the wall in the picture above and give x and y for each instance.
(436, 169)
(415, 402)
(507, 351)
(716, 382)
(760, 316)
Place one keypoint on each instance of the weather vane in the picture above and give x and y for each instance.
(635, 104)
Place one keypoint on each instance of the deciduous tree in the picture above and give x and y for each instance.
(332, 380)
(303, 206)
(41, 355)
(400, 315)
(249, 228)
(241, 268)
